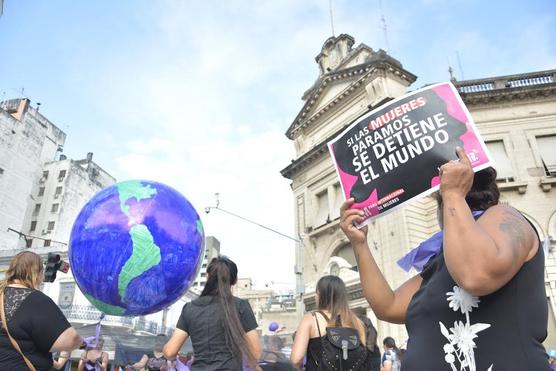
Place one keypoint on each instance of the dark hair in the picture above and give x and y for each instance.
(391, 344)
(221, 276)
(370, 332)
(332, 297)
(484, 192)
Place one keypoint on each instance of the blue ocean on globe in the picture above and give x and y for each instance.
(136, 247)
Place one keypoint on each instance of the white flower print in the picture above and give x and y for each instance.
(461, 337)
(462, 300)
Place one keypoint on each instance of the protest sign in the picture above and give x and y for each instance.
(391, 155)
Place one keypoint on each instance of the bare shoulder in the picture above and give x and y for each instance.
(504, 223)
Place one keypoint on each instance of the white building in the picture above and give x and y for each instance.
(27, 141)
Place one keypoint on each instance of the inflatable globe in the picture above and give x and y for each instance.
(136, 247)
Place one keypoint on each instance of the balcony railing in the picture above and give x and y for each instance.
(506, 82)
(90, 313)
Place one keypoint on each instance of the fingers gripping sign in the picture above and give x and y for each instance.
(456, 176)
(348, 218)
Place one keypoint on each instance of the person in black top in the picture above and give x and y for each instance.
(34, 321)
(94, 359)
(222, 327)
(332, 302)
(480, 302)
(157, 362)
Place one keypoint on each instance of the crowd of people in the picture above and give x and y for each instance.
(478, 303)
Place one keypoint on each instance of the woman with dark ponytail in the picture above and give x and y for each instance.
(222, 327)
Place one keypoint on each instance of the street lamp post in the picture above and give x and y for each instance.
(298, 269)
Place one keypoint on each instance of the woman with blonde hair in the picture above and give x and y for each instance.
(32, 324)
(333, 311)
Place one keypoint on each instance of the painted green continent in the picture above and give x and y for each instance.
(145, 255)
(133, 189)
(106, 308)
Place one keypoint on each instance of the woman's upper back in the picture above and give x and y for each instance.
(203, 319)
(35, 322)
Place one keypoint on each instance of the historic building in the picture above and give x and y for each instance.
(27, 141)
(515, 114)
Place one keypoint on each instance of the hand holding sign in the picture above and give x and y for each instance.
(456, 177)
(348, 219)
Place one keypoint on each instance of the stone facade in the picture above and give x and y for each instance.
(515, 114)
(27, 141)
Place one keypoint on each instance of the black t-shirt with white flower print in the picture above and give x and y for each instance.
(451, 330)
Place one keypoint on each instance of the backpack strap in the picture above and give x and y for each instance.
(324, 315)
(317, 321)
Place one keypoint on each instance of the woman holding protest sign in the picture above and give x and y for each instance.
(479, 302)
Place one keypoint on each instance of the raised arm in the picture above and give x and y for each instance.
(141, 363)
(483, 255)
(254, 344)
(302, 335)
(61, 361)
(104, 365)
(388, 305)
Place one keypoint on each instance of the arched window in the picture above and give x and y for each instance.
(346, 252)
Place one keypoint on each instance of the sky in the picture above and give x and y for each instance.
(198, 95)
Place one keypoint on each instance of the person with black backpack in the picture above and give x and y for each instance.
(333, 337)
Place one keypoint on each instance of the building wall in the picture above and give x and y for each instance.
(27, 140)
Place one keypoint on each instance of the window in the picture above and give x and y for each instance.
(46, 243)
(338, 201)
(321, 216)
(55, 208)
(1, 171)
(203, 274)
(58, 192)
(50, 226)
(502, 164)
(37, 209)
(33, 226)
(41, 191)
(346, 252)
(28, 242)
(61, 175)
(67, 291)
(45, 174)
(546, 146)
